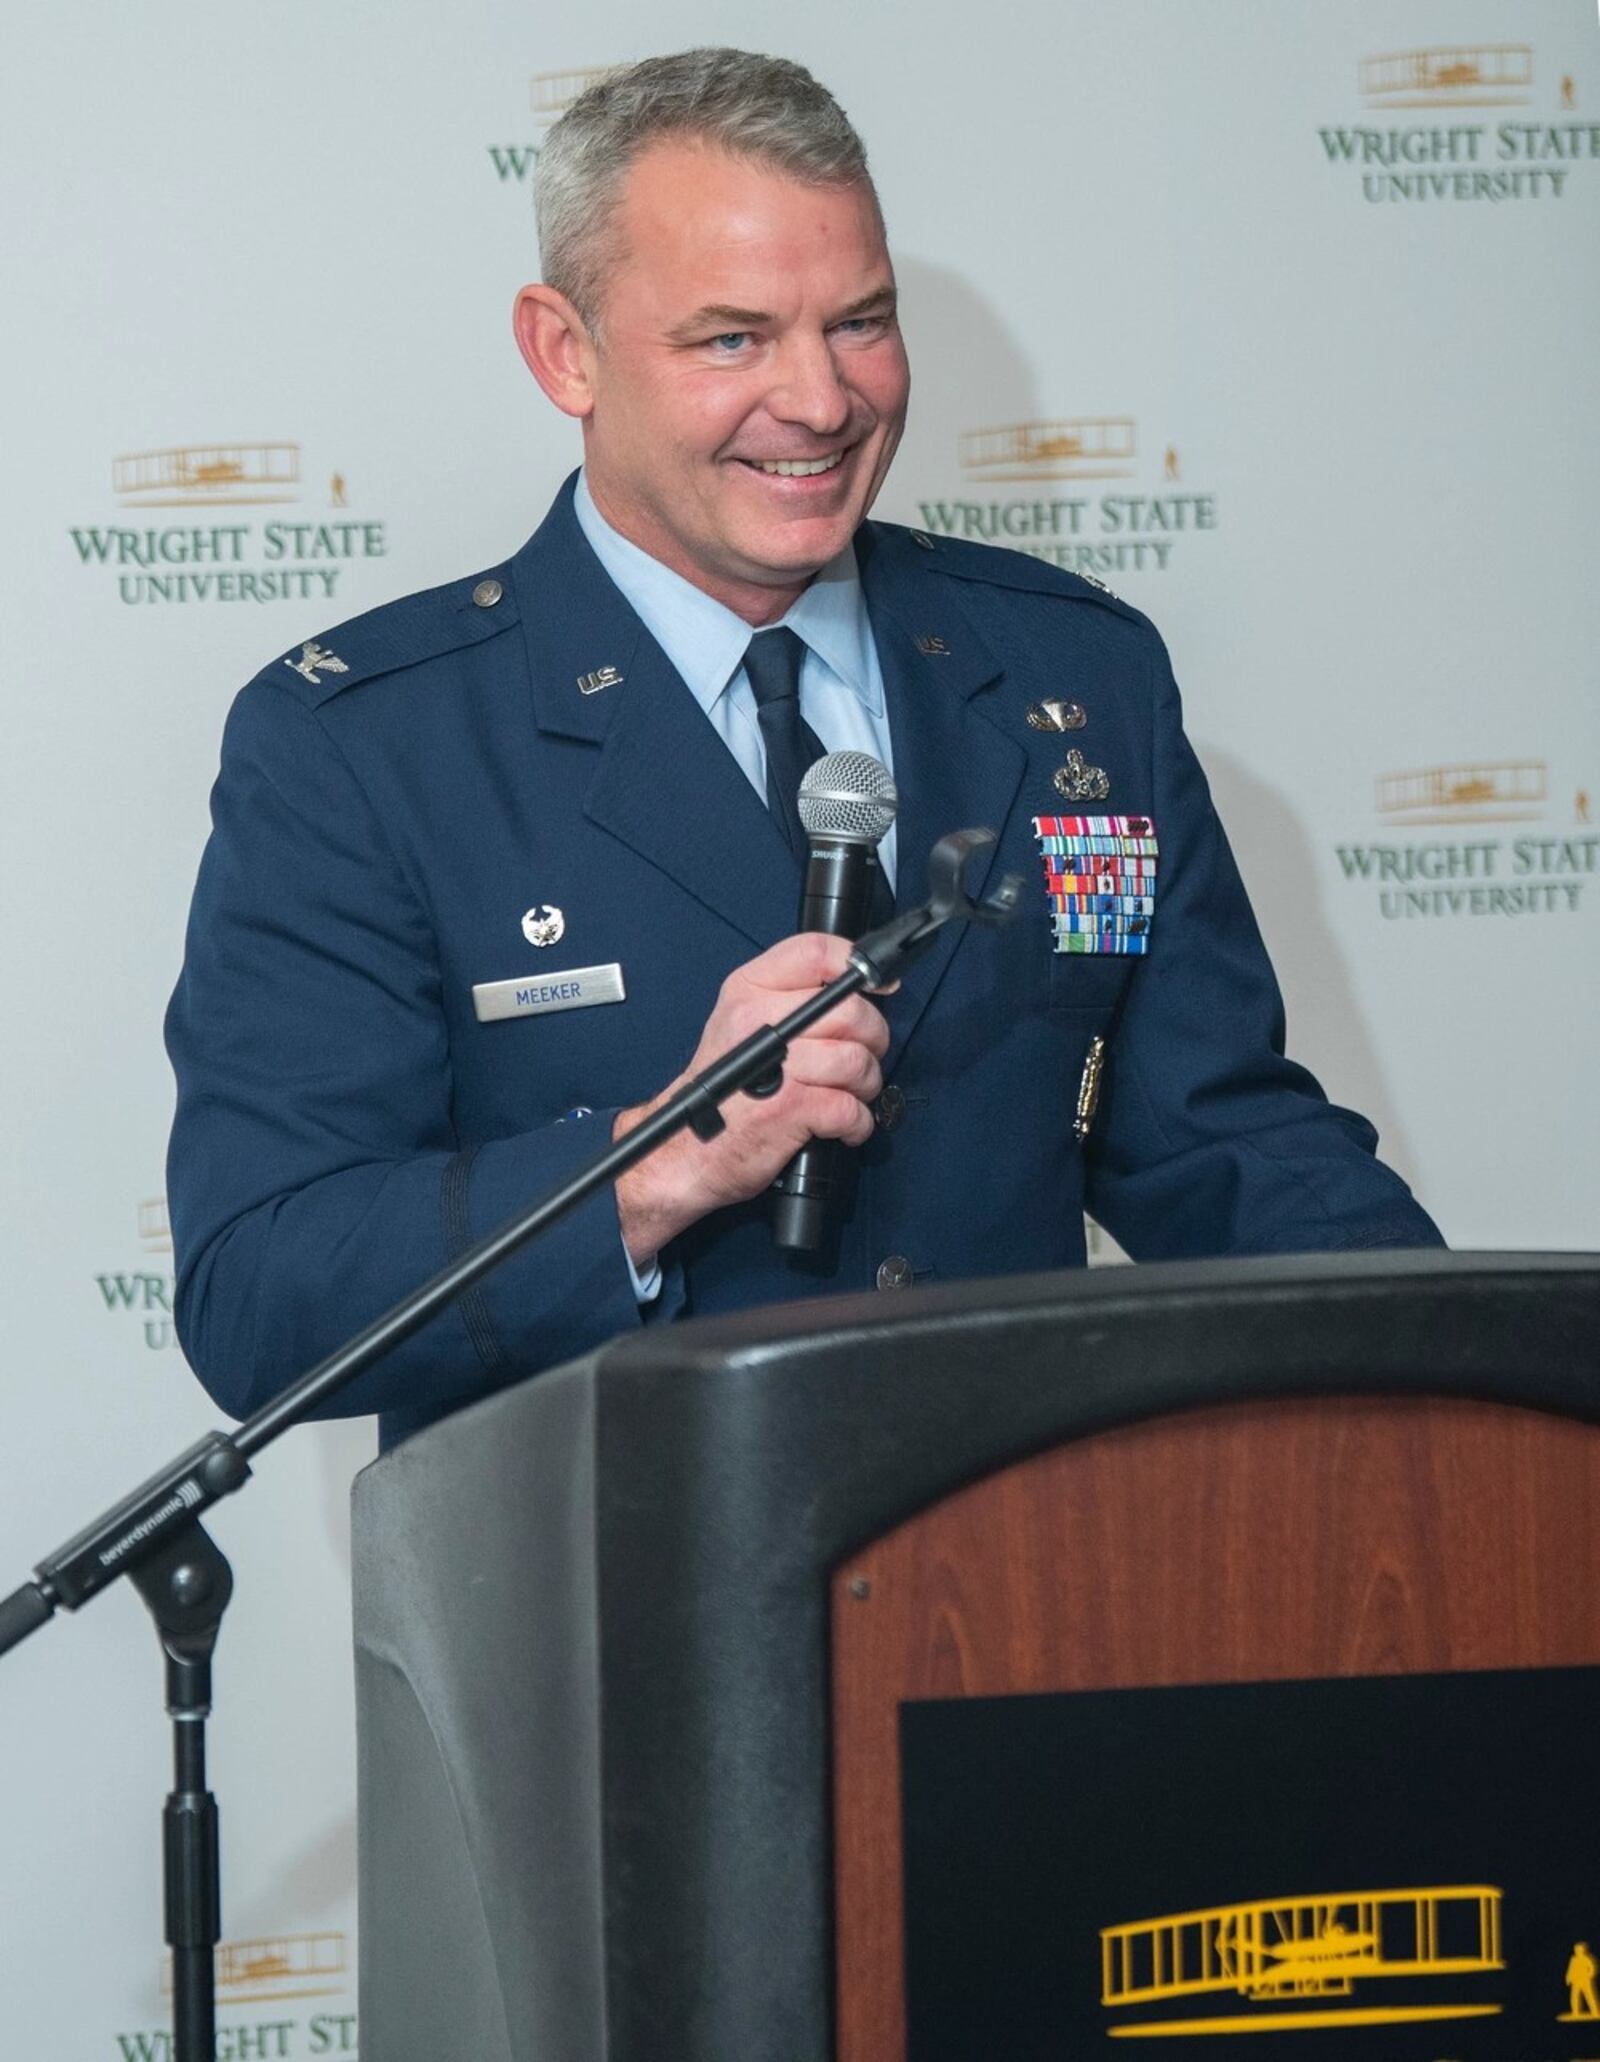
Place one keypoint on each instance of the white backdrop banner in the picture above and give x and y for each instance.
(1280, 320)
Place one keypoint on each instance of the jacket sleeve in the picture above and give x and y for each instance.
(1210, 1141)
(315, 1174)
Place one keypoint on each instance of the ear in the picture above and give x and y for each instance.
(557, 347)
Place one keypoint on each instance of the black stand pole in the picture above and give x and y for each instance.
(187, 1586)
(154, 1534)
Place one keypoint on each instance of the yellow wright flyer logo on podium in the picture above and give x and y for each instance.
(1093, 1871)
(1294, 1960)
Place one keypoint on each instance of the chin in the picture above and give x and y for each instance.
(802, 549)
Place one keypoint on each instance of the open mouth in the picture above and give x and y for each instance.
(795, 468)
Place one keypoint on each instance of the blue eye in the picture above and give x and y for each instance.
(730, 340)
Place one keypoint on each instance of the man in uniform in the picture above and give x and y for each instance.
(494, 866)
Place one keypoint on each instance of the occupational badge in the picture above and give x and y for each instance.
(1076, 782)
(544, 925)
(1100, 880)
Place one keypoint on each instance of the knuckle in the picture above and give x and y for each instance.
(838, 1108)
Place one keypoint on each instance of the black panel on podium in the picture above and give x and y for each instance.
(592, 1612)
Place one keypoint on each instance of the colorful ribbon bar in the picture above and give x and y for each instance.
(1094, 826)
(1077, 847)
(1113, 877)
(1103, 905)
(1103, 941)
(1100, 881)
(1112, 926)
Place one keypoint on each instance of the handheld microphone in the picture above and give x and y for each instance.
(847, 801)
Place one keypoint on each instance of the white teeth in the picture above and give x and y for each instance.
(798, 468)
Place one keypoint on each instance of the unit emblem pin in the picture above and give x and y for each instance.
(544, 925)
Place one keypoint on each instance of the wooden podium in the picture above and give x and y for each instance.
(693, 1677)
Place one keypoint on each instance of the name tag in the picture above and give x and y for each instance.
(580, 988)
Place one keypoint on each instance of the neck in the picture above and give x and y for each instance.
(758, 603)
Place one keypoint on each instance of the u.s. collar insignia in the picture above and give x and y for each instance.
(1076, 782)
(602, 676)
(932, 647)
(314, 660)
(544, 925)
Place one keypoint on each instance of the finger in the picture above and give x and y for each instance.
(805, 961)
(834, 1113)
(856, 1020)
(827, 1063)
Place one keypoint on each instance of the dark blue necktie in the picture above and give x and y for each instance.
(772, 666)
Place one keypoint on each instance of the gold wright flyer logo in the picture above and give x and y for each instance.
(1482, 837)
(1296, 1964)
(1124, 529)
(181, 539)
(1425, 140)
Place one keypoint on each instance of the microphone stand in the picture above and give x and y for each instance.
(154, 1534)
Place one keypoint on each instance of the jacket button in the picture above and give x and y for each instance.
(487, 593)
(890, 1107)
(895, 1272)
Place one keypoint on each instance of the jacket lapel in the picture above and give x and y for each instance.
(953, 768)
(665, 784)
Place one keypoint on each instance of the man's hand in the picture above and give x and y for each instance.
(830, 1079)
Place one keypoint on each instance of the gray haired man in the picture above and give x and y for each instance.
(592, 729)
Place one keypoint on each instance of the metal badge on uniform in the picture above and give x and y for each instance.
(544, 924)
(1057, 715)
(1094, 1063)
(538, 995)
(314, 660)
(1076, 782)
(1100, 881)
(602, 676)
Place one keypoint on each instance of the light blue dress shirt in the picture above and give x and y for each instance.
(841, 683)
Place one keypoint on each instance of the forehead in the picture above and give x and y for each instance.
(694, 221)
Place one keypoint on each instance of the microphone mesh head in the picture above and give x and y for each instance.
(848, 795)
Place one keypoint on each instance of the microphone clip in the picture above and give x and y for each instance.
(883, 953)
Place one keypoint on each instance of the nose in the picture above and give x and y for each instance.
(809, 390)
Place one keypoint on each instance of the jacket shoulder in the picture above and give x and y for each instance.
(395, 636)
(994, 565)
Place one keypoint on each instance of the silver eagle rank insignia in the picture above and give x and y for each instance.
(314, 660)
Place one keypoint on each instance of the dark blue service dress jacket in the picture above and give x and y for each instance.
(395, 797)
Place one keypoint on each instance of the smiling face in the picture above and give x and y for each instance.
(750, 385)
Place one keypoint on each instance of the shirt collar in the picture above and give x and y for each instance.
(706, 641)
